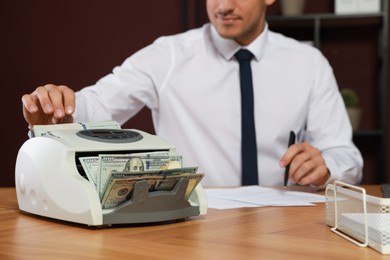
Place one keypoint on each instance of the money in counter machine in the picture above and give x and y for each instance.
(51, 182)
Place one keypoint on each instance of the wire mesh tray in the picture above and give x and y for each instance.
(360, 218)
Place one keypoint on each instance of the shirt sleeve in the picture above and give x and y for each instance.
(123, 93)
(329, 128)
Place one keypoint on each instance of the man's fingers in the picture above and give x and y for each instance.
(308, 166)
(28, 101)
(316, 176)
(68, 99)
(49, 104)
(58, 100)
(290, 154)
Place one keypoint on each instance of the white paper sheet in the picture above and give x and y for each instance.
(257, 196)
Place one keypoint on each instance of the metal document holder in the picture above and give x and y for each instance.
(360, 218)
(49, 182)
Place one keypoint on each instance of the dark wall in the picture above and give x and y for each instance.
(73, 42)
(76, 42)
(353, 51)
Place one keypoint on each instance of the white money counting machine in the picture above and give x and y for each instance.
(49, 178)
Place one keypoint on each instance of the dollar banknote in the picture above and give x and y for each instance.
(120, 185)
(90, 165)
(169, 182)
(131, 163)
(158, 174)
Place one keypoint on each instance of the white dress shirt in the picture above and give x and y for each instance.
(190, 81)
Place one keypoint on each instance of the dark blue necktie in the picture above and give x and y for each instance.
(248, 135)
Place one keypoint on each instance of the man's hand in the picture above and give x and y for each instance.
(49, 104)
(307, 165)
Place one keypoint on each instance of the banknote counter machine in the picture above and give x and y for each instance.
(49, 181)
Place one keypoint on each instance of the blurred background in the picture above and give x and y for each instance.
(76, 42)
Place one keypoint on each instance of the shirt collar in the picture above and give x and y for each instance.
(227, 47)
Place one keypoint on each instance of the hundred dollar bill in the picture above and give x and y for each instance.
(91, 164)
(117, 193)
(160, 153)
(148, 174)
(172, 172)
(120, 188)
(173, 163)
(91, 167)
(120, 185)
(132, 164)
(170, 181)
(193, 181)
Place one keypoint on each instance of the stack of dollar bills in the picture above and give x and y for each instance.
(114, 175)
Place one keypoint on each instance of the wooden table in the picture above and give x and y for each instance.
(249, 233)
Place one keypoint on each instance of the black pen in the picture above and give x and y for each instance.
(291, 141)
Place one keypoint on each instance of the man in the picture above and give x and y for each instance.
(191, 83)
